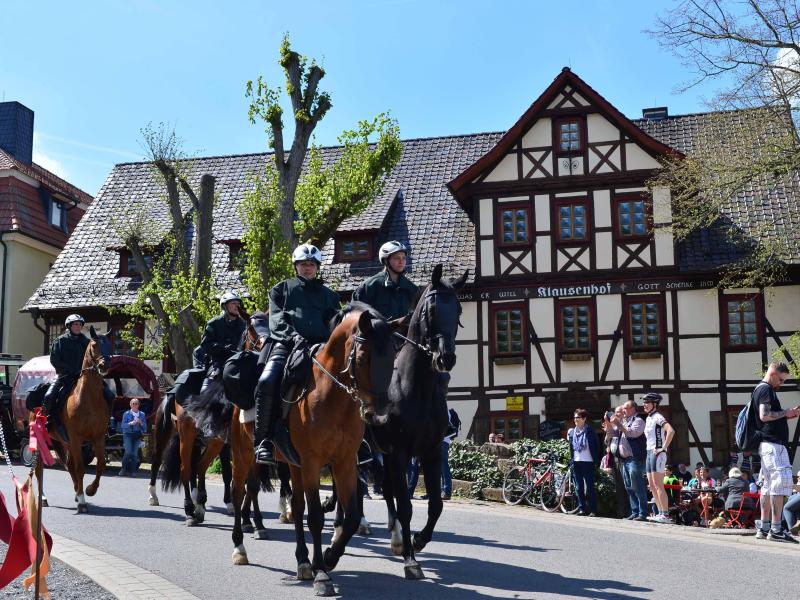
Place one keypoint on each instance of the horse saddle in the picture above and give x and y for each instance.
(36, 396)
(240, 378)
(187, 384)
(297, 372)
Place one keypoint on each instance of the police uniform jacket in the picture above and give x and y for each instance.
(392, 299)
(67, 353)
(222, 337)
(302, 306)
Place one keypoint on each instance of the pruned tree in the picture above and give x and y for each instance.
(751, 49)
(174, 264)
(302, 197)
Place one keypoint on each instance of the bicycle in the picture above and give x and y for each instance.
(560, 492)
(526, 483)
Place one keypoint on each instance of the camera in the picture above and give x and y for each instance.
(609, 414)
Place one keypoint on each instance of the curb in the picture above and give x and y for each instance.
(117, 576)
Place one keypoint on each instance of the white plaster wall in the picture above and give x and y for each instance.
(599, 129)
(486, 216)
(509, 374)
(504, 262)
(484, 308)
(466, 410)
(505, 171)
(664, 249)
(513, 199)
(564, 170)
(469, 318)
(543, 257)
(549, 351)
(616, 369)
(541, 207)
(540, 135)
(577, 370)
(699, 406)
(465, 373)
(541, 312)
(614, 158)
(781, 305)
(580, 99)
(487, 258)
(651, 369)
(602, 208)
(547, 164)
(636, 158)
(699, 359)
(662, 205)
(578, 194)
(622, 256)
(536, 405)
(609, 309)
(698, 312)
(605, 247)
(559, 97)
(743, 365)
(497, 404)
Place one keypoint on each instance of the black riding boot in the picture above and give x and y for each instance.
(49, 403)
(267, 397)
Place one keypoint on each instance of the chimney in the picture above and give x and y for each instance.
(658, 113)
(16, 131)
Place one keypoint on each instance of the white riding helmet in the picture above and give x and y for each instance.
(390, 248)
(228, 297)
(306, 252)
(72, 319)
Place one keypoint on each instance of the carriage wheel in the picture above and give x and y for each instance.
(515, 486)
(25, 454)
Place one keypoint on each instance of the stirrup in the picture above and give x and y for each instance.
(264, 454)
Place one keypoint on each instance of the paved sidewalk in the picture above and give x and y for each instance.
(123, 579)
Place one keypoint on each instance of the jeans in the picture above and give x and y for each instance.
(412, 475)
(633, 477)
(130, 459)
(791, 510)
(584, 483)
(447, 478)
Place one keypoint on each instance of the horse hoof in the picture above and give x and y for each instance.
(229, 508)
(329, 559)
(418, 543)
(304, 572)
(364, 530)
(91, 490)
(248, 528)
(190, 522)
(199, 516)
(414, 571)
(323, 586)
(153, 501)
(260, 534)
(239, 556)
(285, 518)
(83, 509)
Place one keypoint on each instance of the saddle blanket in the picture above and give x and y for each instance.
(247, 416)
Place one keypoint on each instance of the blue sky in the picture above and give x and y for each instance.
(95, 73)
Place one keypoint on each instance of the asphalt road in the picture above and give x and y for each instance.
(479, 551)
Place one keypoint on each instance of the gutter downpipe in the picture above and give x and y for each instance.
(3, 290)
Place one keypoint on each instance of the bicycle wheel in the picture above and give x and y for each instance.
(569, 494)
(515, 486)
(550, 489)
(534, 496)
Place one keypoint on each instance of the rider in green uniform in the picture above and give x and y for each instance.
(389, 291)
(300, 309)
(222, 335)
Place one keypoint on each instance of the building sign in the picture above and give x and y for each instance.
(567, 290)
(515, 403)
(550, 430)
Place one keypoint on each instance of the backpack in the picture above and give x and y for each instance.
(748, 434)
(454, 425)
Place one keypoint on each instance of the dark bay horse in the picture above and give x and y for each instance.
(85, 418)
(417, 413)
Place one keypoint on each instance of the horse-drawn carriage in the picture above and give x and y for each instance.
(127, 376)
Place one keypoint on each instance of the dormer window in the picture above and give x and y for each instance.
(569, 136)
(237, 256)
(354, 248)
(127, 264)
(58, 214)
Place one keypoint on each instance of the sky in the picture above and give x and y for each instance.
(96, 73)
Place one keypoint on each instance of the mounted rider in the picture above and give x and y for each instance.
(300, 309)
(222, 336)
(66, 356)
(389, 292)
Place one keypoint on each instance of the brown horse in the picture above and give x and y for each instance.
(85, 418)
(348, 383)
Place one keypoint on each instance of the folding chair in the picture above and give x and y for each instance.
(744, 516)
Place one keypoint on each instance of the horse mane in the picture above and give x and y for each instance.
(380, 327)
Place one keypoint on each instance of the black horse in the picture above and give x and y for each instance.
(417, 413)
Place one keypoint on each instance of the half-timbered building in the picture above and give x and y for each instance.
(578, 294)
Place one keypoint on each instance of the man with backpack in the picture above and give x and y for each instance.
(776, 470)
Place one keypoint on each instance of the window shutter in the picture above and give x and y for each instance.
(532, 427)
(679, 449)
(719, 438)
(481, 429)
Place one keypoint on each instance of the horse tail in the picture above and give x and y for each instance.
(163, 422)
(171, 465)
(264, 473)
(211, 411)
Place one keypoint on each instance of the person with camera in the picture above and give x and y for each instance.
(134, 426)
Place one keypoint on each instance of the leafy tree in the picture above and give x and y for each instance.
(304, 195)
(174, 265)
(752, 50)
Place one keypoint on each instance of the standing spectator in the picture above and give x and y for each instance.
(633, 443)
(453, 426)
(659, 434)
(776, 470)
(683, 474)
(492, 438)
(134, 426)
(612, 441)
(584, 456)
(500, 438)
(791, 510)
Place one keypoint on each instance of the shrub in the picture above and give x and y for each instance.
(468, 463)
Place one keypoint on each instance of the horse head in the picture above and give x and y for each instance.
(98, 352)
(257, 332)
(437, 318)
(370, 362)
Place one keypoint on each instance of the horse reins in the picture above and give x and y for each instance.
(353, 391)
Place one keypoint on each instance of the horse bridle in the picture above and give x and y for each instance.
(95, 365)
(425, 346)
(350, 369)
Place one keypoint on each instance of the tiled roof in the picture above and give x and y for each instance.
(416, 206)
(42, 175)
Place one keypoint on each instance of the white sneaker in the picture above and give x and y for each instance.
(661, 518)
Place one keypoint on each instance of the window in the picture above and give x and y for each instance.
(741, 318)
(569, 136)
(237, 257)
(354, 248)
(514, 222)
(58, 215)
(644, 323)
(511, 425)
(633, 215)
(508, 330)
(572, 221)
(575, 326)
(128, 268)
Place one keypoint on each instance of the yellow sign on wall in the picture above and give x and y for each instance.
(514, 403)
